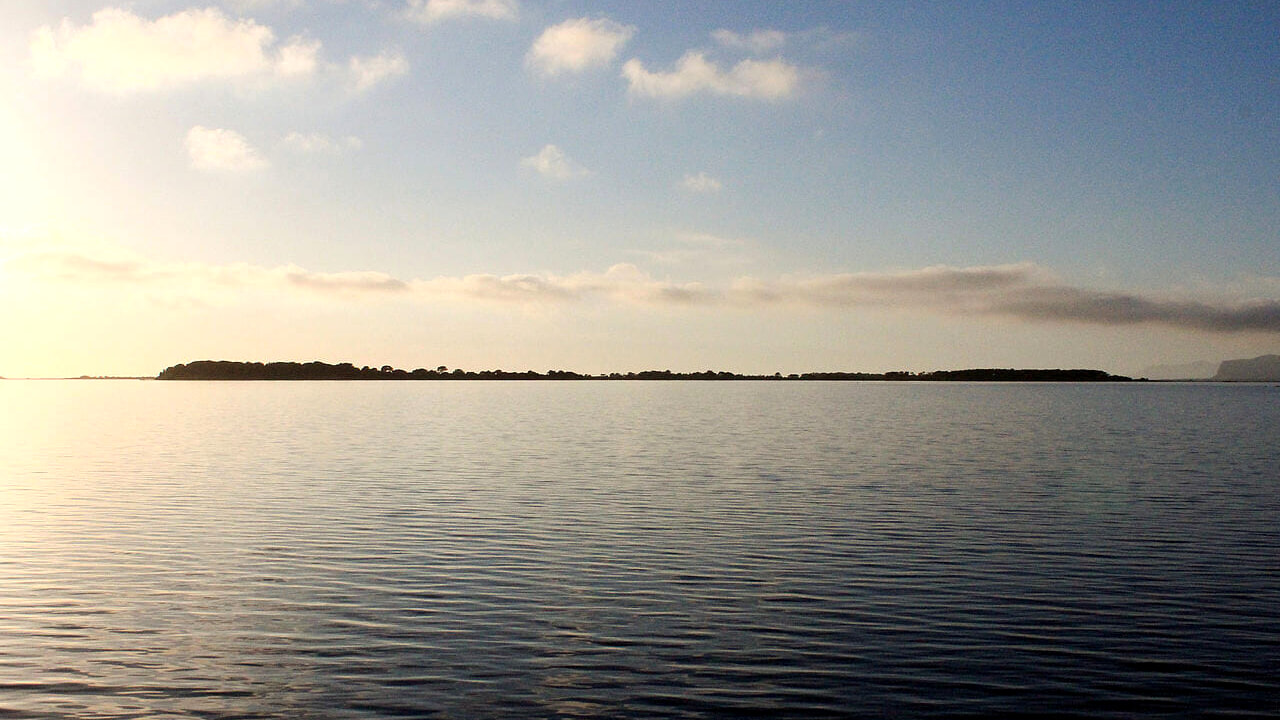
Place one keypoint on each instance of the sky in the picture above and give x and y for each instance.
(616, 186)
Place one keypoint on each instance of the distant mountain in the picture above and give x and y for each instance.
(1185, 371)
(1262, 368)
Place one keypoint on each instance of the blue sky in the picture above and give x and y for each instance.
(619, 186)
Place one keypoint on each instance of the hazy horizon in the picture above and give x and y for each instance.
(747, 186)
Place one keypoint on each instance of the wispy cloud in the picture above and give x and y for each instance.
(203, 280)
(320, 144)
(770, 41)
(758, 41)
(694, 73)
(342, 283)
(366, 72)
(577, 45)
(963, 289)
(701, 183)
(250, 5)
(701, 249)
(430, 11)
(75, 266)
(1023, 291)
(551, 162)
(623, 282)
(120, 52)
(221, 150)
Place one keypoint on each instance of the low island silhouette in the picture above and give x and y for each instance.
(234, 370)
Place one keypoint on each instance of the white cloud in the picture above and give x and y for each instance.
(320, 144)
(298, 59)
(551, 162)
(365, 72)
(430, 11)
(578, 45)
(622, 282)
(758, 42)
(250, 5)
(701, 183)
(219, 150)
(756, 79)
(121, 52)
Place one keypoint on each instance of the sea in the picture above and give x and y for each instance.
(627, 549)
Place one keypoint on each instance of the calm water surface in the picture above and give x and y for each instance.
(541, 549)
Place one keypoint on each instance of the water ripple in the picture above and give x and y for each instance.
(328, 550)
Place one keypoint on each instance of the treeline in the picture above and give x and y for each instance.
(1011, 375)
(230, 370)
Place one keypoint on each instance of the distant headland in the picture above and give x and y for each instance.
(1264, 368)
(232, 370)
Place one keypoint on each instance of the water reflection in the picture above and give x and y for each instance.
(499, 550)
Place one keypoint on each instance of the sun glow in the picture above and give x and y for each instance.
(493, 183)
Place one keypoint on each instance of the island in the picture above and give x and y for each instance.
(1264, 368)
(316, 370)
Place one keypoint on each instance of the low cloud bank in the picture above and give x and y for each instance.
(1073, 304)
(1022, 291)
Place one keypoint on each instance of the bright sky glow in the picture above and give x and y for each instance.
(749, 186)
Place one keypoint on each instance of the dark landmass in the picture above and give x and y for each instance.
(230, 370)
(1264, 368)
(1010, 375)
